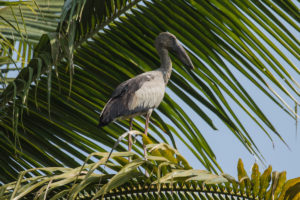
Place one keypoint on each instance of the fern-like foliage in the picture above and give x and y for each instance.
(162, 174)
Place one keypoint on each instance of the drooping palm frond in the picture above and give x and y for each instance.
(26, 21)
(22, 23)
(170, 177)
(111, 41)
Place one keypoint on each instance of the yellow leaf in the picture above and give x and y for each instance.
(243, 178)
(265, 181)
(280, 183)
(255, 180)
(291, 189)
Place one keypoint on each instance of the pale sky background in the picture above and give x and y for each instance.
(228, 148)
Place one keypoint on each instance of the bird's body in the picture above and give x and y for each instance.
(143, 93)
(135, 97)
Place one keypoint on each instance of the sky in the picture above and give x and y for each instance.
(228, 148)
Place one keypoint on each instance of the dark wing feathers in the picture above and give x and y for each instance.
(117, 106)
(121, 89)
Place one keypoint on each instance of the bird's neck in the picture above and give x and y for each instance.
(166, 64)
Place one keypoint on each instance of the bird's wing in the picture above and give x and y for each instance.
(132, 85)
(117, 105)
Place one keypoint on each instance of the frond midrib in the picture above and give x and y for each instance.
(126, 191)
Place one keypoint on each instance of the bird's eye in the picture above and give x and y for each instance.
(173, 39)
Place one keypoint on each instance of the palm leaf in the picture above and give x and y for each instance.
(174, 181)
(22, 24)
(102, 43)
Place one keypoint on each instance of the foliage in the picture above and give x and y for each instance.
(22, 23)
(168, 176)
(49, 112)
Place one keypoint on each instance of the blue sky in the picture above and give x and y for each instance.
(228, 149)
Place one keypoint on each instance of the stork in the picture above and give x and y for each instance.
(142, 94)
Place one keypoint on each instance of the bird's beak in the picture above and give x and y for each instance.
(182, 55)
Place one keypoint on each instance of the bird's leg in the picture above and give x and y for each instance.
(147, 121)
(146, 128)
(130, 138)
(129, 135)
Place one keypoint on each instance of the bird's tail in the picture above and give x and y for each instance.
(105, 116)
(103, 121)
(101, 124)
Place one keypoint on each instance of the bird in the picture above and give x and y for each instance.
(140, 95)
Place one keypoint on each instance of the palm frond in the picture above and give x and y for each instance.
(22, 24)
(168, 179)
(102, 43)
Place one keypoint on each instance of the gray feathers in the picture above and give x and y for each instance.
(120, 105)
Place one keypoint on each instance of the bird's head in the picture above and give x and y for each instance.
(166, 40)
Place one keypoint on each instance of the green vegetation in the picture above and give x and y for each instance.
(70, 55)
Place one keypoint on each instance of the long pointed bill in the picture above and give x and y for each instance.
(183, 56)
